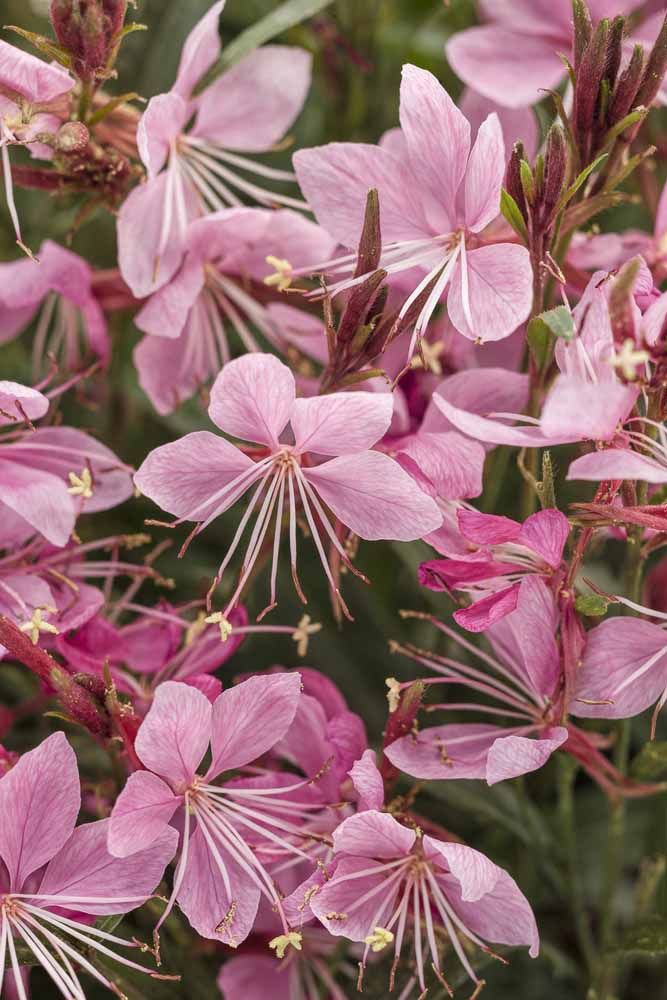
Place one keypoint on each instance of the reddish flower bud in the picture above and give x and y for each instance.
(555, 170)
(88, 30)
(72, 137)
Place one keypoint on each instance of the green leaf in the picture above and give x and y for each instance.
(44, 44)
(527, 181)
(578, 215)
(539, 340)
(512, 214)
(281, 19)
(556, 322)
(591, 605)
(646, 938)
(650, 764)
(580, 180)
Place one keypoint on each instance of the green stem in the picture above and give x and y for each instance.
(567, 772)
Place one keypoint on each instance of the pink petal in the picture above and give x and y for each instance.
(593, 410)
(500, 292)
(256, 977)
(175, 734)
(474, 872)
(614, 655)
(511, 756)
(39, 803)
(367, 782)
(509, 68)
(166, 312)
(204, 898)
(341, 423)
(445, 752)
(655, 319)
(617, 463)
(40, 499)
(484, 175)
(38, 81)
(487, 529)
(13, 395)
(249, 718)
(482, 614)
(334, 899)
(252, 398)
(373, 834)
(336, 178)
(209, 686)
(301, 330)
(481, 391)
(517, 124)
(182, 477)
(546, 533)
(84, 867)
(141, 813)
(253, 104)
(170, 371)
(374, 497)
(438, 140)
(661, 215)
(201, 49)
(496, 432)
(449, 465)
(525, 639)
(161, 123)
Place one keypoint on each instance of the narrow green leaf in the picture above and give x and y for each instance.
(527, 181)
(538, 336)
(512, 214)
(44, 44)
(578, 215)
(581, 179)
(281, 19)
(635, 116)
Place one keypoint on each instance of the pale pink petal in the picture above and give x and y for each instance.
(367, 782)
(654, 320)
(183, 476)
(487, 529)
(546, 533)
(591, 410)
(335, 898)
(500, 292)
(252, 398)
(502, 916)
(84, 868)
(373, 834)
(336, 178)
(202, 47)
(39, 803)
(482, 391)
(541, 17)
(253, 104)
(341, 423)
(166, 312)
(525, 639)
(482, 614)
(38, 81)
(474, 872)
(438, 140)
(73, 612)
(174, 736)
(170, 371)
(516, 123)
(301, 330)
(511, 756)
(161, 123)
(509, 68)
(209, 686)
(448, 465)
(256, 976)
(141, 813)
(249, 718)
(288, 234)
(445, 752)
(484, 175)
(661, 216)
(17, 399)
(495, 432)
(374, 497)
(617, 463)
(611, 683)
(40, 499)
(205, 900)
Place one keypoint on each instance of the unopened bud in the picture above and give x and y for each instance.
(513, 178)
(655, 70)
(625, 95)
(555, 169)
(583, 29)
(72, 137)
(590, 76)
(88, 30)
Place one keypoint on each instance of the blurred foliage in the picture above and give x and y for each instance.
(359, 47)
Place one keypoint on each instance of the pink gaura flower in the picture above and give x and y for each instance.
(503, 552)
(55, 879)
(437, 196)
(254, 398)
(70, 323)
(516, 54)
(189, 319)
(231, 830)
(200, 167)
(52, 474)
(388, 880)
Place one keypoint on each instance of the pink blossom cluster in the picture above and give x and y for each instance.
(375, 351)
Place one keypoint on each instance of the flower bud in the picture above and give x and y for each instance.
(88, 30)
(513, 178)
(624, 99)
(555, 170)
(72, 137)
(590, 76)
(655, 70)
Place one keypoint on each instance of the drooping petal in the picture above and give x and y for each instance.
(252, 105)
(341, 423)
(592, 410)
(201, 49)
(495, 432)
(17, 399)
(141, 813)
(445, 752)
(474, 872)
(481, 615)
(448, 465)
(373, 834)
(39, 803)
(546, 533)
(252, 398)
(374, 497)
(367, 782)
(617, 463)
(38, 81)
(84, 868)
(40, 499)
(182, 477)
(499, 292)
(176, 732)
(249, 718)
(484, 175)
(511, 756)
(161, 123)
(165, 314)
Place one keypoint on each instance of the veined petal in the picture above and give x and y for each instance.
(484, 613)
(15, 398)
(252, 398)
(617, 463)
(341, 423)
(445, 752)
(484, 175)
(499, 291)
(592, 410)
(39, 498)
(373, 834)
(141, 813)
(511, 756)
(474, 872)
(38, 81)
(367, 782)
(202, 47)
(162, 121)
(175, 734)
(333, 903)
(166, 312)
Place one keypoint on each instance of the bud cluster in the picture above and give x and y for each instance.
(89, 31)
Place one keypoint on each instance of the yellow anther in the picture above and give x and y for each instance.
(431, 357)
(195, 629)
(281, 943)
(394, 693)
(379, 939)
(303, 632)
(628, 358)
(282, 276)
(226, 627)
(36, 624)
(81, 486)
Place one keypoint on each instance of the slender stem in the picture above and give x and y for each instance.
(567, 772)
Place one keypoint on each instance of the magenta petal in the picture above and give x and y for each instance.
(141, 813)
(257, 977)
(341, 423)
(511, 756)
(617, 463)
(546, 533)
(40, 499)
(445, 752)
(39, 803)
(13, 395)
(84, 868)
(487, 529)
(525, 639)
(480, 615)
(201, 49)
(373, 834)
(176, 732)
(500, 292)
(249, 718)
(252, 398)
(367, 782)
(374, 497)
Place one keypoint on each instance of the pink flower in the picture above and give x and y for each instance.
(233, 829)
(515, 55)
(54, 876)
(52, 474)
(437, 195)
(523, 681)
(248, 109)
(202, 475)
(71, 323)
(502, 553)
(387, 879)
(189, 319)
